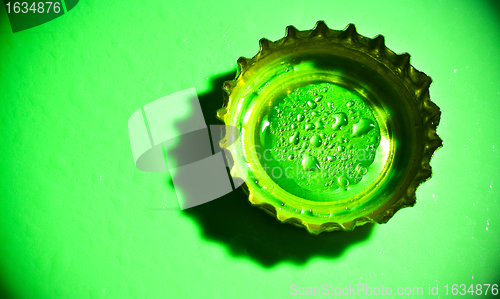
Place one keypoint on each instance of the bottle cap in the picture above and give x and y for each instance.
(334, 130)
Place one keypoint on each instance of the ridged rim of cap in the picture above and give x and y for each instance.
(415, 81)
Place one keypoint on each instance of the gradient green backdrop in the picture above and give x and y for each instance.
(78, 220)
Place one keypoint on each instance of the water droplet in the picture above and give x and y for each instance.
(294, 126)
(315, 140)
(314, 114)
(309, 127)
(331, 158)
(319, 124)
(318, 99)
(294, 139)
(361, 170)
(350, 104)
(311, 104)
(343, 181)
(291, 157)
(341, 148)
(362, 127)
(305, 145)
(300, 117)
(325, 89)
(352, 111)
(340, 120)
(310, 162)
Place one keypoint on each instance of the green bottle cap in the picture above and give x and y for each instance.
(334, 130)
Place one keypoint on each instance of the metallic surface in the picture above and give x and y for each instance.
(396, 92)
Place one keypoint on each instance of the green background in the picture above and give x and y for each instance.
(78, 220)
